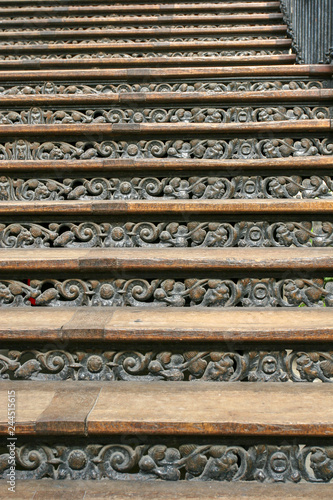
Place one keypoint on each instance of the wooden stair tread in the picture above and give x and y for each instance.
(172, 98)
(111, 408)
(144, 8)
(150, 260)
(158, 490)
(130, 74)
(131, 2)
(127, 324)
(149, 62)
(127, 165)
(85, 208)
(132, 129)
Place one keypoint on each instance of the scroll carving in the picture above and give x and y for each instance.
(170, 188)
(247, 292)
(159, 115)
(166, 235)
(196, 148)
(52, 88)
(190, 462)
(173, 365)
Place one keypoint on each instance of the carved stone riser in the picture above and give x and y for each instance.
(247, 292)
(254, 85)
(171, 365)
(172, 461)
(166, 234)
(109, 55)
(196, 149)
(206, 114)
(168, 188)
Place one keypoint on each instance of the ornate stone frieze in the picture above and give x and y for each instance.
(170, 188)
(189, 461)
(197, 114)
(51, 88)
(196, 148)
(175, 365)
(247, 292)
(166, 234)
(127, 55)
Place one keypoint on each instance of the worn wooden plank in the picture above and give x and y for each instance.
(164, 164)
(47, 408)
(92, 2)
(173, 98)
(266, 409)
(159, 490)
(151, 129)
(164, 409)
(149, 8)
(145, 19)
(42, 210)
(152, 260)
(130, 47)
(68, 410)
(30, 403)
(139, 74)
(145, 62)
(123, 324)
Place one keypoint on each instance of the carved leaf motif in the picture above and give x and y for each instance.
(327, 366)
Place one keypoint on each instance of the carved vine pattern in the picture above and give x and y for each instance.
(130, 365)
(37, 115)
(267, 292)
(250, 86)
(171, 188)
(166, 234)
(190, 461)
(126, 55)
(197, 148)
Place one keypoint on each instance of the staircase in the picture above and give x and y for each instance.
(166, 270)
